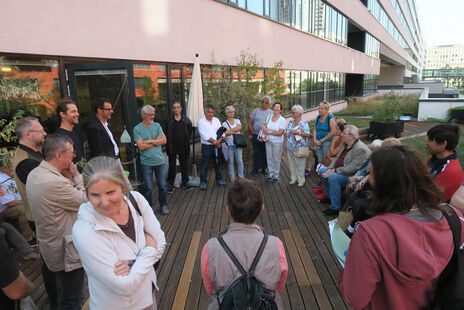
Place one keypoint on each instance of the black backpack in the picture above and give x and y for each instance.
(246, 292)
(450, 287)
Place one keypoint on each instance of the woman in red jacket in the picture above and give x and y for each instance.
(396, 256)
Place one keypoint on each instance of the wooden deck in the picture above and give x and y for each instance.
(291, 213)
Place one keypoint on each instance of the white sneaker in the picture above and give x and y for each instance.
(293, 182)
(31, 256)
(300, 184)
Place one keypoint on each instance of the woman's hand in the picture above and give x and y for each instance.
(121, 268)
(317, 142)
(295, 132)
(149, 241)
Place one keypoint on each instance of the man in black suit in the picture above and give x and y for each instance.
(100, 138)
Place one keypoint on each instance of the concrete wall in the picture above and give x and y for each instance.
(167, 31)
(437, 108)
(434, 87)
(313, 113)
(392, 75)
(400, 92)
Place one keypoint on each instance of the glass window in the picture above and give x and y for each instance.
(305, 15)
(285, 12)
(242, 4)
(256, 6)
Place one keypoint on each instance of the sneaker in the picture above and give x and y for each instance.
(254, 171)
(321, 196)
(318, 190)
(164, 210)
(275, 179)
(203, 186)
(170, 189)
(325, 201)
(270, 179)
(301, 184)
(292, 182)
(317, 185)
(329, 212)
(307, 172)
(31, 256)
(33, 243)
(187, 187)
(221, 183)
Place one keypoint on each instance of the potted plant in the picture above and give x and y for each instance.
(457, 113)
(385, 122)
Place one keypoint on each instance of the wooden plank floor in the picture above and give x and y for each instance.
(291, 213)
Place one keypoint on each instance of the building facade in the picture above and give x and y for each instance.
(445, 57)
(141, 51)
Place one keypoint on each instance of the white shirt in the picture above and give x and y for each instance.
(10, 189)
(276, 126)
(230, 139)
(208, 129)
(115, 145)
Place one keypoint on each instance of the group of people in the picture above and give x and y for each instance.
(398, 220)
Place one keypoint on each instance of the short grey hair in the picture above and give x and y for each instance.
(23, 125)
(298, 109)
(269, 98)
(147, 108)
(230, 108)
(352, 130)
(103, 167)
(55, 143)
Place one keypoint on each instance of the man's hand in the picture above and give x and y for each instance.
(121, 268)
(327, 173)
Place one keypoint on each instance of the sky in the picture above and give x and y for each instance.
(442, 21)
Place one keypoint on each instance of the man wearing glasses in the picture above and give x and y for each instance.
(101, 139)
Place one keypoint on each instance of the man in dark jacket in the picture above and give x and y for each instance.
(101, 139)
(178, 133)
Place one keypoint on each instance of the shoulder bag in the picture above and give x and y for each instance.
(239, 139)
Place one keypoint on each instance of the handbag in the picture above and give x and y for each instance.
(302, 152)
(345, 218)
(239, 139)
(262, 136)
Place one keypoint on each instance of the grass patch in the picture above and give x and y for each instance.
(420, 144)
(408, 105)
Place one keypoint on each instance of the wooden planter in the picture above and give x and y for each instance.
(385, 130)
(457, 115)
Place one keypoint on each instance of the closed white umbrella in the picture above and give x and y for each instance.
(195, 109)
(195, 102)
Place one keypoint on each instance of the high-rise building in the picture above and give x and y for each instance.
(445, 56)
(129, 51)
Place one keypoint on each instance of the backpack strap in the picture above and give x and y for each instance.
(134, 203)
(231, 255)
(455, 226)
(258, 254)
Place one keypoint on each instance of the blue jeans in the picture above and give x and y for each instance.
(160, 174)
(236, 152)
(259, 153)
(208, 152)
(333, 187)
(321, 150)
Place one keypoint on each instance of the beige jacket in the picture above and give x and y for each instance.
(54, 201)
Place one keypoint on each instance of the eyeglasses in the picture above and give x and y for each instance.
(108, 109)
(41, 131)
(150, 114)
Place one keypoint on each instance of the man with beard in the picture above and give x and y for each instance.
(68, 115)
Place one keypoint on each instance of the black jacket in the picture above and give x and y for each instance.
(99, 140)
(171, 139)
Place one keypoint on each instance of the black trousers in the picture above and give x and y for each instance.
(183, 159)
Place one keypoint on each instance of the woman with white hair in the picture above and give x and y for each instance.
(297, 136)
(233, 126)
(118, 239)
(274, 128)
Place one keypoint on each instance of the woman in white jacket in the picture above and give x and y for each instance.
(117, 243)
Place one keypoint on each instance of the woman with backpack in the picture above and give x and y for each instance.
(253, 251)
(396, 257)
(118, 239)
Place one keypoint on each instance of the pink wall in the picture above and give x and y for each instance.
(166, 30)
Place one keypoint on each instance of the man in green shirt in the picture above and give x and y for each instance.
(149, 138)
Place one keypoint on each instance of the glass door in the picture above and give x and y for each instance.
(114, 81)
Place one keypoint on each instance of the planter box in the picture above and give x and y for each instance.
(385, 130)
(458, 115)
